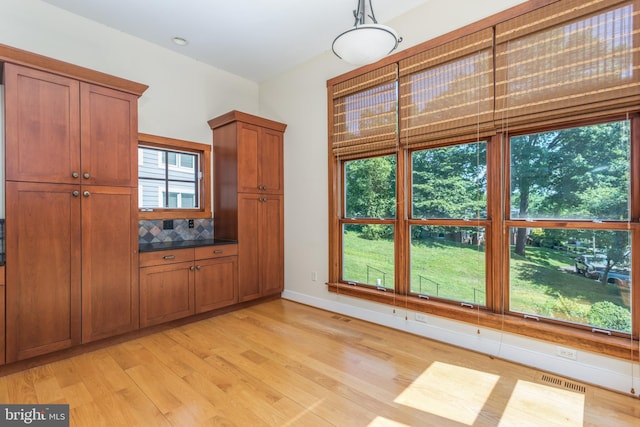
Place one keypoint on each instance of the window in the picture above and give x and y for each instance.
(448, 261)
(368, 222)
(515, 198)
(173, 177)
(578, 272)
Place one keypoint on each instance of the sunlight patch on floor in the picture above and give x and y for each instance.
(557, 407)
(385, 422)
(449, 391)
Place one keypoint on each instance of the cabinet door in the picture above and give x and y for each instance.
(272, 244)
(248, 246)
(216, 283)
(166, 293)
(2, 315)
(42, 127)
(42, 269)
(109, 120)
(109, 261)
(270, 161)
(248, 146)
(260, 160)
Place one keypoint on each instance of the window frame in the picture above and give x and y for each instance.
(204, 182)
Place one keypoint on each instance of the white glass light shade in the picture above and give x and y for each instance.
(365, 43)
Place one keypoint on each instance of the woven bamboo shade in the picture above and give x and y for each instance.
(365, 114)
(446, 93)
(569, 60)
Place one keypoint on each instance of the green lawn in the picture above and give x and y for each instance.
(544, 283)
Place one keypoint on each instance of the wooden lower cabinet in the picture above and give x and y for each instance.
(70, 280)
(179, 283)
(216, 283)
(43, 246)
(109, 265)
(260, 245)
(166, 293)
(2, 315)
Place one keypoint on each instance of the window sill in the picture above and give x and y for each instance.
(173, 214)
(619, 347)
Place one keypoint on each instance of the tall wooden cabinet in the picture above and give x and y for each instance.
(71, 216)
(249, 198)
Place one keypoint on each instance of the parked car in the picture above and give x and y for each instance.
(589, 265)
(613, 275)
(594, 266)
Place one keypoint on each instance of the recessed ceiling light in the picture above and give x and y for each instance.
(180, 41)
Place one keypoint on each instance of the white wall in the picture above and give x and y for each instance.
(299, 98)
(183, 93)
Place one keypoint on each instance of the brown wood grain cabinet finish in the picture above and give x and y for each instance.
(249, 198)
(166, 293)
(2, 313)
(179, 283)
(42, 126)
(216, 283)
(43, 269)
(109, 264)
(72, 262)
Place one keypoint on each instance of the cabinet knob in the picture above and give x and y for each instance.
(86, 175)
(86, 194)
(76, 193)
(168, 257)
(75, 175)
(192, 268)
(198, 267)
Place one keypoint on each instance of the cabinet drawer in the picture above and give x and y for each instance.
(206, 252)
(165, 257)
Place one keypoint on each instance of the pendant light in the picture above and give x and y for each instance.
(365, 43)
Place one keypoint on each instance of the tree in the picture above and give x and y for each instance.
(577, 173)
(450, 182)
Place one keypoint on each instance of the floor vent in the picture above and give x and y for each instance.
(561, 382)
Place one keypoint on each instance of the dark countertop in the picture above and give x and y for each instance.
(182, 244)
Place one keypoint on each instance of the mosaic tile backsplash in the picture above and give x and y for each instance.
(151, 231)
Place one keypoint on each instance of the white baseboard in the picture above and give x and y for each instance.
(589, 368)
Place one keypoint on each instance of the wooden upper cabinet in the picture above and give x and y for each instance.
(109, 122)
(260, 160)
(42, 127)
(249, 149)
(59, 130)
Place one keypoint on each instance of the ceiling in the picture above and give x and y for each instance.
(255, 39)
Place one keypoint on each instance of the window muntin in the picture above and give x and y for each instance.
(370, 187)
(449, 182)
(577, 276)
(368, 254)
(576, 173)
(166, 181)
(449, 262)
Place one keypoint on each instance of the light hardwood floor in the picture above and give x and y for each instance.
(284, 364)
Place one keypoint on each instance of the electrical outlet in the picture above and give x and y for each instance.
(421, 317)
(567, 353)
(314, 276)
(190, 223)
